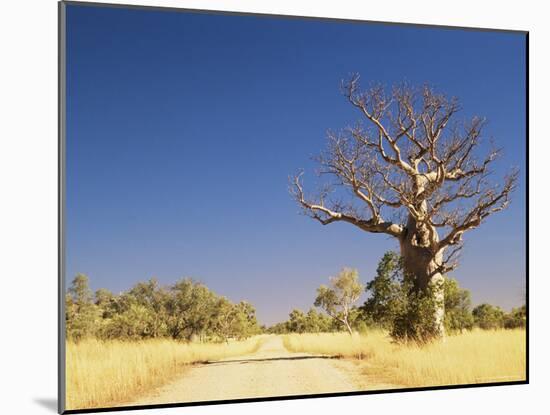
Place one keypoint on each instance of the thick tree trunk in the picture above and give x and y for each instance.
(421, 265)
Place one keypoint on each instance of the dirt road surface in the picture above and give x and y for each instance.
(271, 371)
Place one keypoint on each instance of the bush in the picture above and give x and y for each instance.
(516, 319)
(488, 317)
(415, 320)
(408, 314)
(81, 314)
(387, 294)
(458, 314)
(186, 310)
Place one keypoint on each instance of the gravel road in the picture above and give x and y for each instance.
(271, 371)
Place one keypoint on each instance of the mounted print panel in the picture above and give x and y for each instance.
(261, 207)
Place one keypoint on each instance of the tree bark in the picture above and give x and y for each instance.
(422, 264)
(348, 327)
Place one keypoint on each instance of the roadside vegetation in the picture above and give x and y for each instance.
(187, 310)
(483, 344)
(103, 373)
(121, 345)
(477, 356)
(393, 307)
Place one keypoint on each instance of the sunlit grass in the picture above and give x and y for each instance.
(105, 373)
(472, 357)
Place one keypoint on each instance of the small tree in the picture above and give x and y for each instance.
(297, 321)
(153, 299)
(105, 301)
(337, 300)
(190, 307)
(516, 319)
(387, 296)
(488, 317)
(247, 321)
(225, 318)
(317, 322)
(458, 312)
(80, 311)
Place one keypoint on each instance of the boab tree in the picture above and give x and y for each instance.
(411, 172)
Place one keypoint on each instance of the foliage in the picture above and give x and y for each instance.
(132, 324)
(394, 304)
(245, 324)
(297, 321)
(487, 316)
(278, 328)
(414, 321)
(516, 319)
(191, 310)
(300, 322)
(338, 298)
(81, 313)
(187, 310)
(317, 322)
(386, 292)
(458, 307)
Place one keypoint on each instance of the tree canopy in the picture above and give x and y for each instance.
(338, 298)
(186, 310)
(411, 170)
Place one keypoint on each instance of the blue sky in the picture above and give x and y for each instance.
(182, 130)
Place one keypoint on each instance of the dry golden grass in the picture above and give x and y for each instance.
(105, 373)
(473, 357)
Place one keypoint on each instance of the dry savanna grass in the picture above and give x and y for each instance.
(105, 373)
(474, 357)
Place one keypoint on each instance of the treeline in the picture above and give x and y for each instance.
(310, 322)
(392, 304)
(487, 316)
(187, 310)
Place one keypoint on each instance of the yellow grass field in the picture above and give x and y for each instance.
(110, 373)
(473, 357)
(105, 373)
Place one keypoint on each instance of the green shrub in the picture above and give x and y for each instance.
(488, 317)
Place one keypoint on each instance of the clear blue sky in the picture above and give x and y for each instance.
(182, 130)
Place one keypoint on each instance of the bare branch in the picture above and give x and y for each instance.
(373, 105)
(450, 262)
(491, 201)
(325, 215)
(412, 162)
